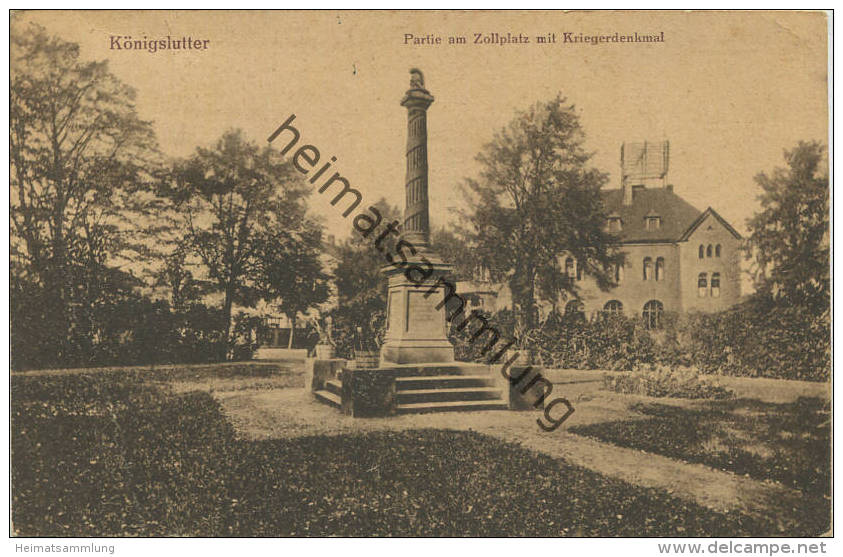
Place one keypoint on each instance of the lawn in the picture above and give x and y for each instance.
(117, 453)
(787, 442)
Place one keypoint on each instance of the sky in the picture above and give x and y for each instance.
(730, 91)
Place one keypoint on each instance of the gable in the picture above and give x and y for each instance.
(707, 221)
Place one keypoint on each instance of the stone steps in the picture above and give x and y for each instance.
(441, 381)
(329, 398)
(467, 394)
(443, 369)
(451, 406)
(334, 386)
(446, 387)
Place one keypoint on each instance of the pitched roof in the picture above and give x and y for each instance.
(694, 225)
(677, 215)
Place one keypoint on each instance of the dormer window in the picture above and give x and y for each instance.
(614, 223)
(653, 222)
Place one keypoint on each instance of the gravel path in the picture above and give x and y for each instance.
(289, 413)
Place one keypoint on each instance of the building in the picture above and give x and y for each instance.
(678, 258)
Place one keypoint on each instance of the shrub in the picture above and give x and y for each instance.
(660, 381)
(756, 338)
(761, 338)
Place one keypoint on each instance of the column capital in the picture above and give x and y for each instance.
(417, 98)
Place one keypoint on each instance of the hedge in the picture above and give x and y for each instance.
(754, 339)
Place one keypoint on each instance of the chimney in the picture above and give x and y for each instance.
(627, 193)
(637, 189)
(627, 189)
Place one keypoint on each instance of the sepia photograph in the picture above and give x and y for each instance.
(421, 274)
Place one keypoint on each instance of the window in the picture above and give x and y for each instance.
(715, 284)
(648, 268)
(702, 251)
(579, 270)
(576, 309)
(569, 267)
(653, 223)
(717, 250)
(481, 274)
(653, 314)
(702, 285)
(618, 273)
(708, 251)
(660, 268)
(614, 307)
(615, 224)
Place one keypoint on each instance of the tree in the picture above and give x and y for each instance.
(535, 199)
(79, 159)
(361, 287)
(177, 278)
(453, 249)
(229, 200)
(290, 271)
(789, 238)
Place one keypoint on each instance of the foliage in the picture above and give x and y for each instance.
(453, 249)
(789, 238)
(289, 271)
(175, 275)
(80, 159)
(660, 381)
(759, 338)
(109, 455)
(245, 337)
(756, 339)
(535, 199)
(789, 443)
(230, 201)
(359, 319)
(471, 349)
(612, 342)
(133, 330)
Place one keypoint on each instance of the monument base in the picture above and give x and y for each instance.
(416, 325)
(415, 351)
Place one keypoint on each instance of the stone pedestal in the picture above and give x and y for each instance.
(416, 330)
(368, 392)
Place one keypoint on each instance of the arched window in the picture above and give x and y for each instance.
(702, 285)
(717, 250)
(660, 268)
(702, 251)
(648, 268)
(708, 251)
(614, 307)
(618, 273)
(569, 267)
(715, 285)
(653, 314)
(575, 308)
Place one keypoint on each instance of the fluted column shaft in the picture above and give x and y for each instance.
(416, 211)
